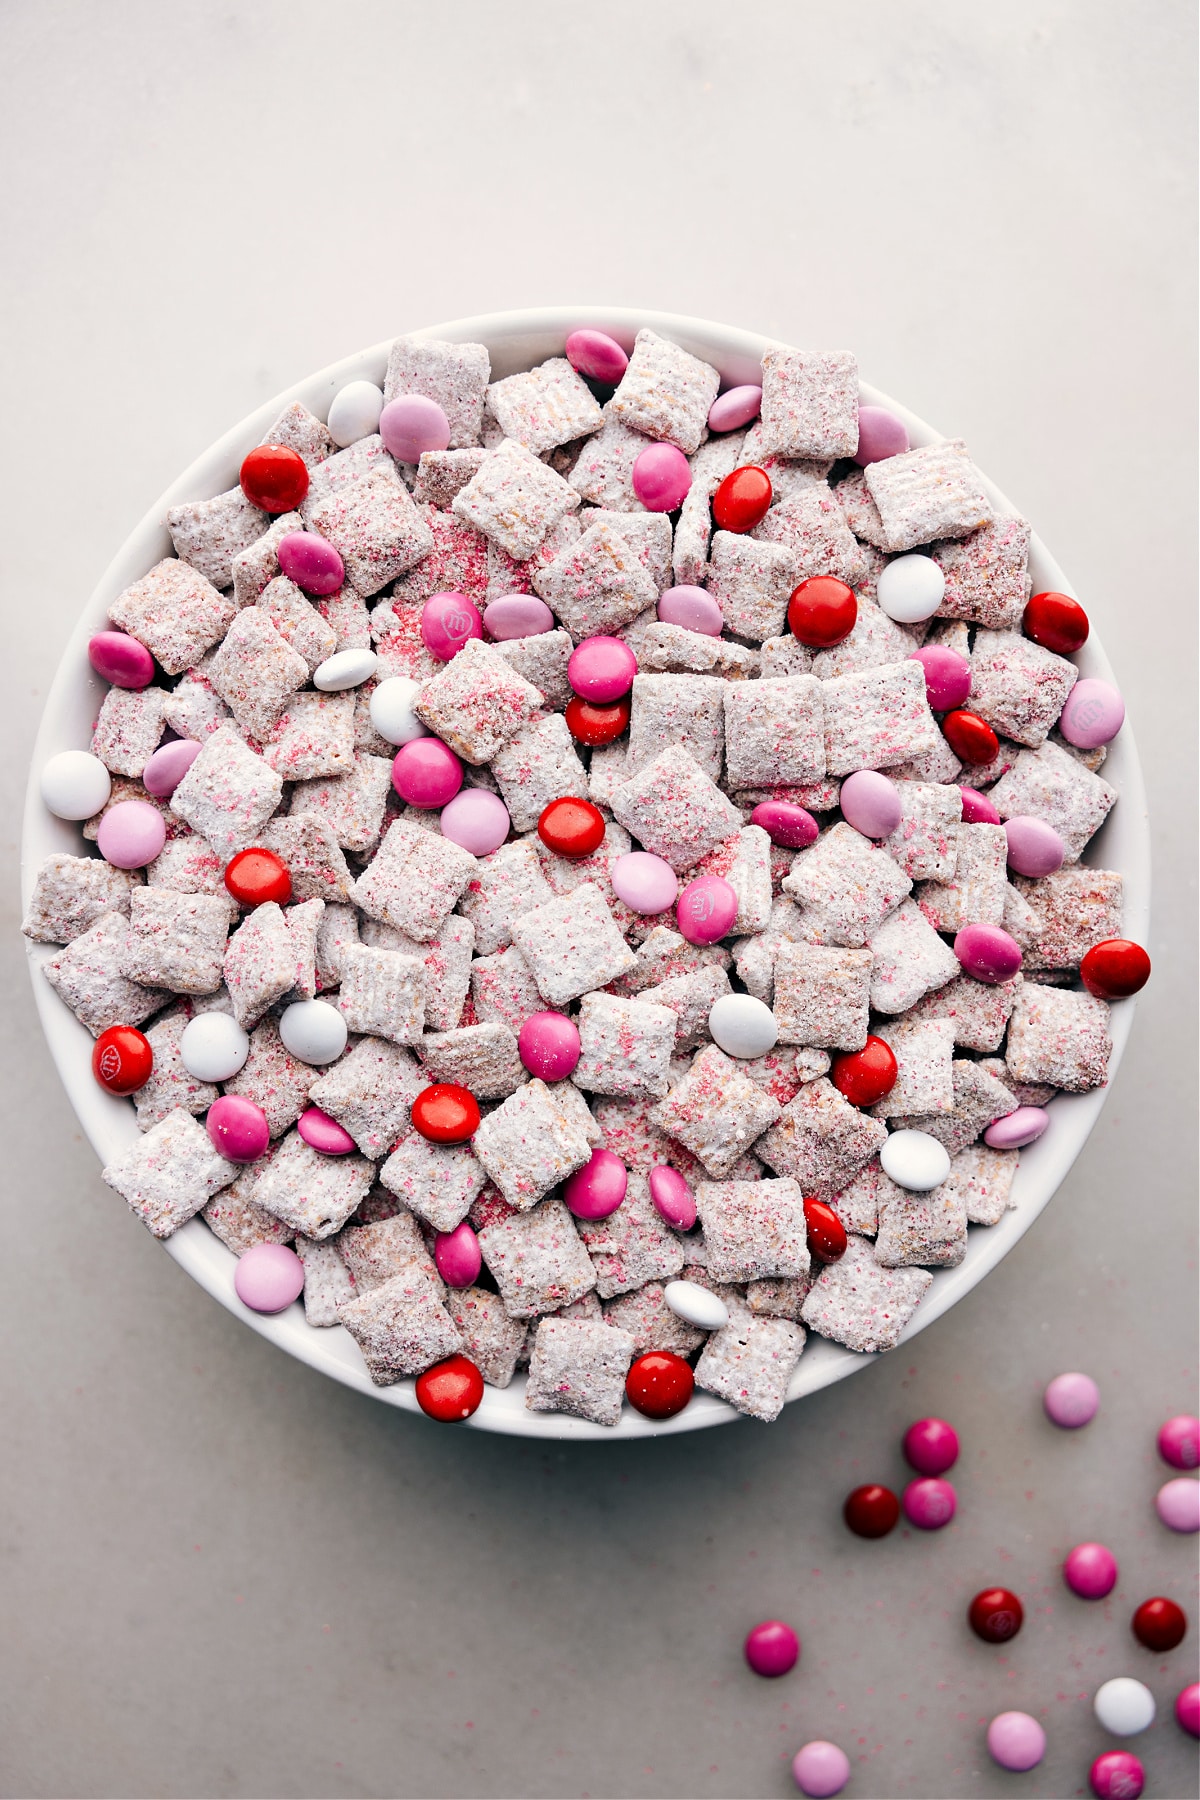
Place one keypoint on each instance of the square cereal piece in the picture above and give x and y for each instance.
(934, 492)
(566, 873)
(455, 375)
(1077, 907)
(370, 1092)
(477, 703)
(536, 1257)
(346, 615)
(754, 957)
(925, 843)
(978, 1099)
(169, 1174)
(976, 894)
(1049, 784)
(774, 731)
(297, 621)
(987, 575)
(632, 1245)
(391, 1247)
(665, 392)
(176, 941)
(503, 885)
(414, 880)
(571, 944)
(303, 923)
(673, 650)
(192, 709)
(127, 731)
(170, 1088)
(70, 894)
(674, 809)
(579, 1367)
(649, 533)
(314, 1194)
(936, 765)
(812, 525)
(911, 960)
(857, 1205)
(228, 794)
(398, 1332)
(598, 583)
(1022, 921)
(928, 1229)
(367, 456)
(87, 976)
(541, 660)
(447, 963)
(874, 641)
(300, 430)
(375, 528)
(809, 403)
(643, 1312)
(438, 1182)
(175, 613)
(482, 1058)
(190, 865)
(458, 562)
(749, 1362)
(491, 1339)
(307, 845)
(627, 1131)
(536, 766)
(687, 710)
(820, 1140)
(545, 407)
(715, 1112)
(783, 656)
(328, 1283)
(353, 805)
(208, 534)
(821, 995)
(924, 1051)
(514, 500)
(255, 566)
(503, 989)
(256, 672)
(744, 861)
(274, 1079)
(443, 473)
(528, 1145)
(849, 883)
(752, 583)
(1018, 687)
(259, 963)
(383, 993)
(861, 513)
(625, 1046)
(690, 998)
(603, 472)
(338, 927)
(779, 1297)
(877, 718)
(982, 1179)
(978, 1010)
(607, 770)
(1059, 1037)
(237, 1220)
(753, 1229)
(782, 1072)
(856, 1302)
(663, 954)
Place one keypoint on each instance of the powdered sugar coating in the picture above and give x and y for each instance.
(571, 944)
(168, 1174)
(666, 392)
(482, 1058)
(175, 941)
(1059, 1037)
(750, 1363)
(809, 403)
(208, 534)
(921, 495)
(175, 612)
(88, 976)
(455, 375)
(632, 1245)
(71, 893)
(578, 1366)
(820, 1140)
(857, 1303)
(715, 1112)
(529, 1145)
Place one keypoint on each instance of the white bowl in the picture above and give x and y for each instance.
(516, 341)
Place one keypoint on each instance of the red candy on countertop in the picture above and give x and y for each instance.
(743, 499)
(1056, 622)
(821, 612)
(826, 1233)
(866, 1076)
(971, 739)
(122, 1059)
(594, 725)
(659, 1384)
(255, 876)
(274, 478)
(1159, 1624)
(1115, 969)
(451, 1390)
(995, 1615)
(445, 1113)
(871, 1511)
(571, 827)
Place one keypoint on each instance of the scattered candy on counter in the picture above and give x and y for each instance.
(1179, 1442)
(1117, 1775)
(1090, 1570)
(931, 1446)
(450, 1390)
(995, 1615)
(1071, 1401)
(772, 1648)
(929, 1504)
(1159, 1624)
(1124, 1706)
(820, 1769)
(1016, 1741)
(871, 1511)
(1177, 1504)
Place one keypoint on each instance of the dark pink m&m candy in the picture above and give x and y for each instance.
(548, 1045)
(120, 659)
(706, 909)
(929, 1504)
(595, 354)
(311, 562)
(772, 1648)
(447, 621)
(792, 827)
(1179, 1442)
(1117, 1775)
(947, 676)
(931, 1446)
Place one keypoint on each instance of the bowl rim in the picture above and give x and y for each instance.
(515, 340)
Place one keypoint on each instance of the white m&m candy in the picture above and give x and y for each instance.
(742, 1025)
(75, 784)
(696, 1305)
(313, 1030)
(911, 588)
(344, 669)
(392, 712)
(1124, 1706)
(213, 1047)
(354, 412)
(915, 1161)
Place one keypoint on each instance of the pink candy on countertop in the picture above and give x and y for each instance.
(661, 478)
(322, 1133)
(426, 773)
(929, 1503)
(517, 616)
(772, 1648)
(447, 621)
(977, 809)
(880, 434)
(1071, 1400)
(596, 355)
(597, 1189)
(646, 883)
(672, 1197)
(1034, 848)
(1016, 1129)
(1177, 1504)
(120, 659)
(1179, 1442)
(1093, 714)
(988, 953)
(458, 1256)
(476, 819)
(786, 824)
(268, 1277)
(168, 766)
(411, 424)
(601, 669)
(311, 562)
(131, 834)
(1187, 1708)
(693, 609)
(548, 1045)
(734, 408)
(1016, 1741)
(947, 676)
(931, 1446)
(706, 909)
(820, 1769)
(1090, 1570)
(871, 803)
(1117, 1775)
(238, 1128)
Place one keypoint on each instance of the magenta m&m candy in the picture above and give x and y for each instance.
(412, 424)
(706, 909)
(596, 355)
(647, 884)
(1016, 1741)
(1187, 1709)
(880, 434)
(929, 1503)
(120, 659)
(268, 1277)
(1090, 1570)
(771, 1648)
(1177, 1504)
(597, 1189)
(476, 819)
(693, 609)
(311, 562)
(931, 1446)
(1179, 1442)
(988, 953)
(237, 1128)
(735, 407)
(1016, 1129)
(661, 478)
(1093, 714)
(322, 1133)
(820, 1769)
(977, 809)
(1117, 1775)
(1071, 1401)
(168, 765)
(786, 824)
(131, 834)
(672, 1197)
(448, 621)
(602, 669)
(1034, 848)
(426, 773)
(548, 1045)
(517, 616)
(947, 676)
(458, 1256)
(871, 803)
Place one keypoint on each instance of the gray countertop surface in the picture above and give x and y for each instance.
(225, 1575)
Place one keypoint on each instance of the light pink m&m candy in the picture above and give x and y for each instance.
(786, 824)
(447, 621)
(691, 608)
(931, 1446)
(988, 953)
(411, 424)
(1071, 1400)
(426, 773)
(601, 669)
(647, 884)
(458, 1256)
(880, 434)
(475, 818)
(1016, 1129)
(131, 834)
(268, 1277)
(929, 1504)
(661, 478)
(595, 354)
(820, 1769)
(1177, 1504)
(1093, 714)
(168, 766)
(947, 676)
(1179, 1442)
(871, 803)
(322, 1133)
(548, 1045)
(311, 562)
(706, 909)
(1034, 848)
(977, 809)
(517, 616)
(672, 1197)
(597, 1189)
(1090, 1570)
(120, 659)
(237, 1128)
(1016, 1741)
(735, 407)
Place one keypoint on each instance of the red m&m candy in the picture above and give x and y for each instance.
(821, 612)
(743, 499)
(255, 876)
(1056, 622)
(995, 1615)
(871, 1511)
(659, 1384)
(1159, 1624)
(826, 1233)
(972, 740)
(1115, 969)
(122, 1059)
(451, 1390)
(274, 478)
(594, 725)
(866, 1076)
(571, 827)
(445, 1113)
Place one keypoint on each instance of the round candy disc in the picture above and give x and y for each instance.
(517, 616)
(445, 1113)
(706, 909)
(672, 1197)
(659, 1384)
(1056, 622)
(268, 1277)
(1071, 1401)
(1117, 1775)
(971, 739)
(597, 1189)
(595, 725)
(931, 1446)
(602, 669)
(661, 477)
(647, 884)
(411, 424)
(75, 785)
(571, 827)
(820, 1769)
(1016, 1129)
(122, 1060)
(120, 659)
(477, 820)
(213, 1047)
(458, 1256)
(786, 824)
(826, 1233)
(871, 1511)
(1090, 1570)
(548, 1045)
(1187, 1709)
(822, 612)
(868, 1075)
(915, 1161)
(1093, 714)
(880, 435)
(910, 588)
(256, 876)
(871, 803)
(1115, 969)
(929, 1503)
(988, 953)
(995, 1615)
(354, 413)
(1159, 1624)
(450, 1391)
(311, 562)
(1124, 1706)
(274, 478)
(131, 834)
(947, 675)
(1034, 848)
(771, 1648)
(322, 1133)
(392, 712)
(1016, 1741)
(237, 1128)
(343, 670)
(426, 773)
(735, 407)
(1179, 1442)
(314, 1031)
(448, 620)
(696, 1305)
(168, 765)
(742, 500)
(596, 355)
(742, 1026)
(692, 608)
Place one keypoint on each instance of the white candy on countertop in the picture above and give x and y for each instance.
(1124, 1706)
(354, 412)
(392, 712)
(313, 1030)
(696, 1305)
(345, 669)
(75, 784)
(213, 1047)
(915, 1161)
(742, 1025)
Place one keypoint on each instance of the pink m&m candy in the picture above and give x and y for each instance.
(595, 354)
(820, 1769)
(988, 953)
(1187, 1709)
(706, 909)
(735, 407)
(268, 1277)
(1034, 848)
(322, 1133)
(691, 608)
(772, 1648)
(597, 1189)
(131, 834)
(238, 1128)
(1179, 1442)
(447, 621)
(548, 1045)
(977, 809)
(661, 478)
(1071, 1401)
(1177, 1504)
(602, 669)
(1093, 714)
(880, 434)
(871, 803)
(786, 824)
(931, 1446)
(168, 766)
(647, 884)
(517, 616)
(475, 818)
(1090, 1570)
(929, 1504)
(413, 423)
(1016, 1129)
(311, 562)
(1016, 1741)
(1117, 1775)
(120, 659)
(673, 1198)
(458, 1256)
(426, 773)
(947, 676)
